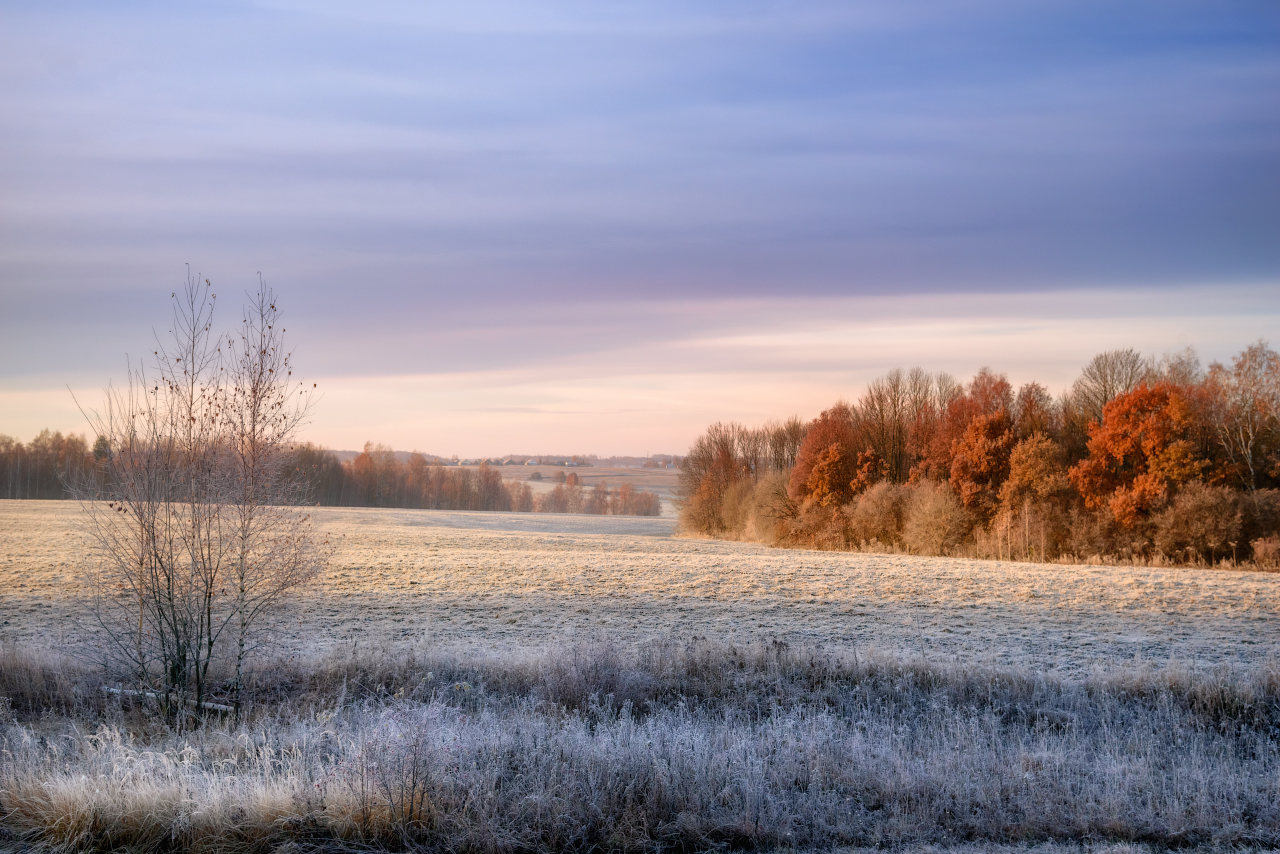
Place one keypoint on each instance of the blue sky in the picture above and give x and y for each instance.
(558, 227)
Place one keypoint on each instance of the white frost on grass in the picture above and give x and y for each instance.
(492, 581)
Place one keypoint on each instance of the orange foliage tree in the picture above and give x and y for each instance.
(980, 462)
(827, 462)
(986, 394)
(1141, 450)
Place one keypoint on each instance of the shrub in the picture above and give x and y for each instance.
(1261, 514)
(1202, 521)
(700, 512)
(736, 507)
(772, 509)
(935, 522)
(877, 516)
(1266, 551)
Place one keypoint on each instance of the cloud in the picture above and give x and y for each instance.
(634, 190)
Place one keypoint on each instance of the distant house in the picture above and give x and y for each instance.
(531, 462)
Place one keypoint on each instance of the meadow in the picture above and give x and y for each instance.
(518, 682)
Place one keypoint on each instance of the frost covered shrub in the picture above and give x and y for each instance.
(771, 509)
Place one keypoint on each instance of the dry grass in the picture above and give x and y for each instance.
(686, 745)
(498, 682)
(496, 581)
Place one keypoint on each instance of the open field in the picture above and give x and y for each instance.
(513, 683)
(497, 581)
(662, 481)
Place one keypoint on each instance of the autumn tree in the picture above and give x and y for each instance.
(980, 462)
(897, 417)
(712, 467)
(827, 461)
(1138, 453)
(986, 394)
(1035, 497)
(1035, 412)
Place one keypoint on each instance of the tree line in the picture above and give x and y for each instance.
(377, 478)
(1140, 459)
(48, 466)
(42, 467)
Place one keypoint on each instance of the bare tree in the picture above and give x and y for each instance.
(784, 440)
(1245, 410)
(273, 548)
(1108, 375)
(192, 509)
(154, 513)
(883, 419)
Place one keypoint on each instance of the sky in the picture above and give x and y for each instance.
(557, 227)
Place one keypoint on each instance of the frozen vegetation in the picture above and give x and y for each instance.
(484, 682)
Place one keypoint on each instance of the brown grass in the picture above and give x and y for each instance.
(498, 682)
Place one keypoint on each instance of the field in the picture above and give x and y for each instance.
(662, 481)
(488, 581)
(505, 682)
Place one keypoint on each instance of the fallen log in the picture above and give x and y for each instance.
(156, 695)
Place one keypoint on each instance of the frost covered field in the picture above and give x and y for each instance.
(506, 683)
(496, 581)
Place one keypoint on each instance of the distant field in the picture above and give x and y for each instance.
(495, 581)
(661, 481)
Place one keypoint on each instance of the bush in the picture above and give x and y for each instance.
(700, 512)
(736, 506)
(877, 516)
(1203, 522)
(935, 521)
(1266, 551)
(1261, 514)
(771, 509)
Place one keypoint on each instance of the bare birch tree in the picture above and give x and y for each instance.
(154, 513)
(1245, 411)
(274, 549)
(192, 511)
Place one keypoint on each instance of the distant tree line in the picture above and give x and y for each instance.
(374, 478)
(1140, 460)
(40, 468)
